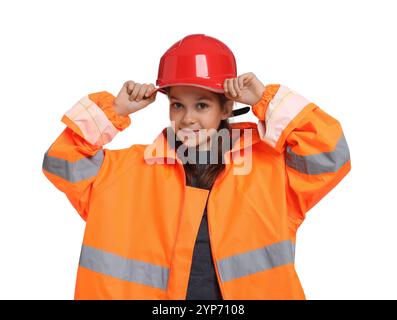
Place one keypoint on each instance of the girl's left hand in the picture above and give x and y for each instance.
(246, 89)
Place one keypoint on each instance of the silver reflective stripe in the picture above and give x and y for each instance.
(257, 260)
(324, 162)
(74, 171)
(123, 268)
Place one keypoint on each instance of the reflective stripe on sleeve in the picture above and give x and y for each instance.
(282, 109)
(74, 171)
(324, 162)
(92, 121)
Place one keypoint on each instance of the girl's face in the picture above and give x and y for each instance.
(195, 114)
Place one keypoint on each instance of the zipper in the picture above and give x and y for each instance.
(216, 182)
(182, 171)
(213, 255)
(221, 176)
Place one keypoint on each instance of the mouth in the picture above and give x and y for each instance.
(189, 131)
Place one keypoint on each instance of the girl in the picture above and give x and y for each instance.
(210, 209)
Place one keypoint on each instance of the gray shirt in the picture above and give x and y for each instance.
(203, 283)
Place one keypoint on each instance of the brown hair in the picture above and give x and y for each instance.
(210, 171)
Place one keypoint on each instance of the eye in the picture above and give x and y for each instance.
(203, 104)
(175, 105)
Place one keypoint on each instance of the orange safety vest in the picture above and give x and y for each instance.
(142, 220)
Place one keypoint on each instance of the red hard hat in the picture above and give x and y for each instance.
(197, 60)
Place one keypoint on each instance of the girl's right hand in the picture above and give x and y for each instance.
(133, 97)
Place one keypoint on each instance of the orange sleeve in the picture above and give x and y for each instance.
(312, 142)
(74, 159)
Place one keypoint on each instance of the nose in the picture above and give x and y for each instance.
(188, 117)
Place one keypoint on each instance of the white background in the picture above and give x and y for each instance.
(341, 55)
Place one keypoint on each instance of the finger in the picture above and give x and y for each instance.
(152, 97)
(241, 82)
(129, 85)
(225, 87)
(141, 92)
(247, 78)
(236, 86)
(149, 90)
(124, 89)
(135, 92)
(231, 88)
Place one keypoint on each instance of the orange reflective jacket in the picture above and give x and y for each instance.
(142, 220)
